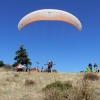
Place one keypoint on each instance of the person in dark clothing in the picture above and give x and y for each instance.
(96, 68)
(49, 66)
(90, 66)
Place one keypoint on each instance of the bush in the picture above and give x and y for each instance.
(29, 82)
(90, 76)
(81, 91)
(59, 85)
(16, 75)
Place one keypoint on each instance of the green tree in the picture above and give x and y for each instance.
(1, 64)
(22, 57)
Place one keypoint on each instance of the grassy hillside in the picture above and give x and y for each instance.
(28, 86)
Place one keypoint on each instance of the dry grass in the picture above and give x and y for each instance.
(12, 84)
(53, 94)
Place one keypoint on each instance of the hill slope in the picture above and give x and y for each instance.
(28, 86)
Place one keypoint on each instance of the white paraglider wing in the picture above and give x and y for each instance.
(49, 14)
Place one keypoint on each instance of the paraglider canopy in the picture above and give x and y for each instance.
(49, 14)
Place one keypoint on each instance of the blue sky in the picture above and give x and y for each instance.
(44, 41)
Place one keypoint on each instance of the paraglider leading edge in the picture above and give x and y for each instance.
(49, 14)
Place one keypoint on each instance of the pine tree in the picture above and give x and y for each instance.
(22, 57)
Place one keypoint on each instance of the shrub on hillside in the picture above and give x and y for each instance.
(59, 85)
(82, 91)
(29, 82)
(90, 76)
(16, 75)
